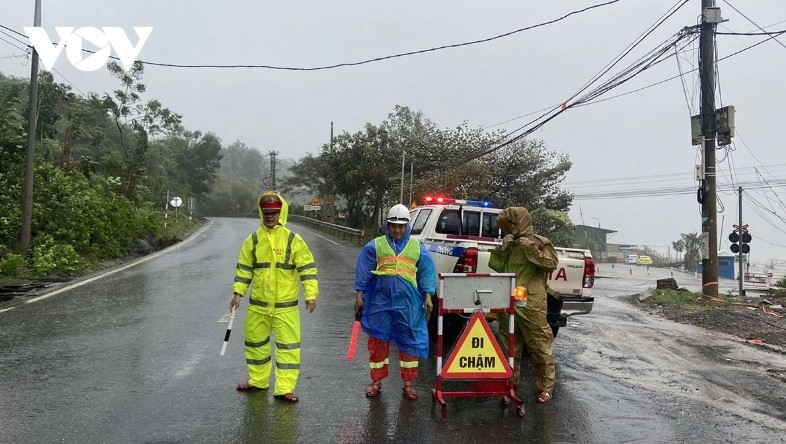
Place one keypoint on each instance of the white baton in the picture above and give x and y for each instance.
(229, 331)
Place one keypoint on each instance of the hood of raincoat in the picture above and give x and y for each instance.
(404, 239)
(282, 219)
(516, 221)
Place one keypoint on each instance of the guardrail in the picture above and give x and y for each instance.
(358, 237)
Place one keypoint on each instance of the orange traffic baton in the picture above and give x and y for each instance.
(353, 340)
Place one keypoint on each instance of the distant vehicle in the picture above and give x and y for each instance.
(631, 259)
(644, 260)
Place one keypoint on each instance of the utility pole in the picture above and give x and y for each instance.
(741, 257)
(32, 115)
(401, 194)
(709, 225)
(411, 177)
(272, 183)
(331, 136)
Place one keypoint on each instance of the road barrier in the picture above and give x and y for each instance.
(353, 235)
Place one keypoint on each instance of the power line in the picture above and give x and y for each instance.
(14, 45)
(593, 102)
(617, 193)
(752, 22)
(617, 181)
(375, 59)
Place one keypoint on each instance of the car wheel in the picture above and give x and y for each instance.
(552, 314)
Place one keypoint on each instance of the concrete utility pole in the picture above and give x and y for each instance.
(709, 214)
(272, 183)
(741, 257)
(32, 115)
(401, 194)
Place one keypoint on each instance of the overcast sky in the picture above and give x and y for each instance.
(637, 143)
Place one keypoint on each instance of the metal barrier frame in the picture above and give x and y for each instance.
(505, 387)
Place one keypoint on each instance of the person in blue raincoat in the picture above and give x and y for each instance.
(394, 280)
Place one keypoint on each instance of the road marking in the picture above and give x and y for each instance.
(125, 267)
(320, 236)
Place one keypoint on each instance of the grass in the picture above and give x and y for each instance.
(681, 299)
(181, 227)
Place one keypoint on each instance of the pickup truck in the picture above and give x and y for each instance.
(460, 234)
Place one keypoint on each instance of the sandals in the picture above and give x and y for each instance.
(410, 393)
(543, 398)
(288, 397)
(246, 387)
(372, 391)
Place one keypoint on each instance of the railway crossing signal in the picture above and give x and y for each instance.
(741, 235)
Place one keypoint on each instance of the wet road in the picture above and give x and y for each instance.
(133, 357)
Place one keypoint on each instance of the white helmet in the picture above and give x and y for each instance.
(398, 214)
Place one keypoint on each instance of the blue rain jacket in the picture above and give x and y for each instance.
(392, 306)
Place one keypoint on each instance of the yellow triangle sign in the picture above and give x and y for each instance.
(476, 353)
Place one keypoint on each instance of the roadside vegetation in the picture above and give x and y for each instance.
(678, 298)
(757, 318)
(104, 165)
(361, 171)
(107, 163)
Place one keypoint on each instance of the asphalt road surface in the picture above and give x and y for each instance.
(132, 356)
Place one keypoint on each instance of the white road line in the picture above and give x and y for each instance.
(111, 272)
(318, 235)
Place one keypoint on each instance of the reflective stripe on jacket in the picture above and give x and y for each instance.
(404, 265)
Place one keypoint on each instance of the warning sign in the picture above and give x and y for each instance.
(476, 353)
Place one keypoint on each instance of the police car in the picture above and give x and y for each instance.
(460, 235)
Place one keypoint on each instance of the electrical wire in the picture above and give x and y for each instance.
(375, 59)
(751, 21)
(13, 44)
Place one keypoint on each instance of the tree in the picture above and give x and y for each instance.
(242, 162)
(311, 176)
(200, 162)
(363, 170)
(691, 244)
(134, 118)
(555, 225)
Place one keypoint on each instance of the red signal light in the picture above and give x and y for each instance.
(439, 200)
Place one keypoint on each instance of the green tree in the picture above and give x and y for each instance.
(690, 244)
(198, 162)
(136, 120)
(239, 161)
(310, 176)
(363, 169)
(555, 225)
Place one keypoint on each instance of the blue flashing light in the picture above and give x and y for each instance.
(479, 203)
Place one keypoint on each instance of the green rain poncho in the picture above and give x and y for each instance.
(531, 258)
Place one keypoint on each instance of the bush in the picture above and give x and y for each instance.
(54, 258)
(682, 299)
(781, 283)
(12, 265)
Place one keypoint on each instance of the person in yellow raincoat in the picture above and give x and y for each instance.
(531, 257)
(274, 261)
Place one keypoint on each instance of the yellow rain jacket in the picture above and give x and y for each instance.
(275, 260)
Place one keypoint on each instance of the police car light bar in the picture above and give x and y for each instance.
(431, 200)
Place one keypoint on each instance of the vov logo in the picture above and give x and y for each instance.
(106, 38)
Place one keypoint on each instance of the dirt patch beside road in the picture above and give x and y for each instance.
(757, 320)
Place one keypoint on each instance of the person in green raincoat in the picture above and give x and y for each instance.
(531, 257)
